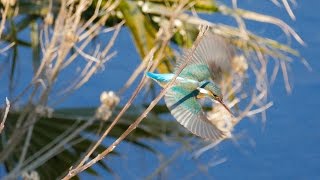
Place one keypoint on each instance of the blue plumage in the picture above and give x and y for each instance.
(198, 80)
(161, 79)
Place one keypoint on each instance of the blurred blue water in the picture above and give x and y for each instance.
(286, 148)
(289, 146)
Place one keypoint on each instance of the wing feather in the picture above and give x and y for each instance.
(187, 110)
(211, 58)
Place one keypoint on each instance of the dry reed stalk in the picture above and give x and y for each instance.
(163, 36)
(164, 43)
(5, 114)
(99, 157)
(57, 55)
(287, 6)
(4, 13)
(258, 63)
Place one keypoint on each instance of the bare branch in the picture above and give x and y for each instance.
(133, 126)
(5, 115)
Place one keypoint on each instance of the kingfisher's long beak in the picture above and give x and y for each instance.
(221, 102)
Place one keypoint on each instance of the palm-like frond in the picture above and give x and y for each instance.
(51, 163)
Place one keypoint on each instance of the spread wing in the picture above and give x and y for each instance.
(186, 109)
(211, 58)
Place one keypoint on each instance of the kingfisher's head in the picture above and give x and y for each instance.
(210, 90)
(213, 91)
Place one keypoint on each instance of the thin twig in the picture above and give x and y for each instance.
(52, 144)
(260, 110)
(141, 117)
(199, 152)
(6, 48)
(167, 162)
(263, 18)
(5, 115)
(285, 76)
(25, 149)
(58, 46)
(52, 152)
(123, 110)
(163, 36)
(288, 9)
(3, 16)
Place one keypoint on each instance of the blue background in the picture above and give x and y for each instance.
(287, 147)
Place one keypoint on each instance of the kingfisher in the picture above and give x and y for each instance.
(199, 79)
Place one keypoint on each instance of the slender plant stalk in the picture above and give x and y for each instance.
(133, 126)
(5, 114)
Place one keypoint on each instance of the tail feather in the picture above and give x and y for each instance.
(160, 78)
